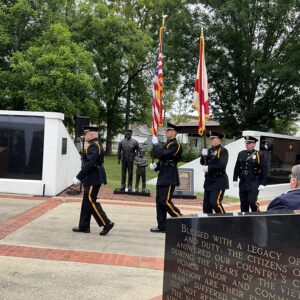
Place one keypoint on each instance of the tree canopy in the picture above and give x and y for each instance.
(253, 62)
(97, 58)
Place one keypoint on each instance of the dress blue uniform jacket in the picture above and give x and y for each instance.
(216, 178)
(252, 169)
(288, 201)
(168, 155)
(92, 171)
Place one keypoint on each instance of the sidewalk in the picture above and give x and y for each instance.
(41, 258)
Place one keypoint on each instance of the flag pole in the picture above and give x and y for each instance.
(204, 135)
(157, 118)
(161, 42)
(201, 101)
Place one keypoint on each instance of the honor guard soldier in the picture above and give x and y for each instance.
(92, 175)
(168, 177)
(214, 161)
(252, 170)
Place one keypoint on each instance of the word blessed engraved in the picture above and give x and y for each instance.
(219, 260)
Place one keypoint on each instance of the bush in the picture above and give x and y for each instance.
(189, 154)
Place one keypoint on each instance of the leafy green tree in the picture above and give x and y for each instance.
(284, 126)
(253, 61)
(21, 23)
(55, 74)
(119, 50)
(252, 55)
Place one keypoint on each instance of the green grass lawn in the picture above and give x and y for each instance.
(113, 172)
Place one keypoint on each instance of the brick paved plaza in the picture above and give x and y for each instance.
(41, 257)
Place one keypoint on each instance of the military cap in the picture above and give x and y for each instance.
(171, 127)
(214, 134)
(250, 139)
(90, 128)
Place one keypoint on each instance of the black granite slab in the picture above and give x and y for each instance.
(233, 257)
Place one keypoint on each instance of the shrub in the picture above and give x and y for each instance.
(189, 154)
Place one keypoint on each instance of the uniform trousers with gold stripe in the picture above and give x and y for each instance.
(90, 207)
(249, 198)
(213, 201)
(165, 205)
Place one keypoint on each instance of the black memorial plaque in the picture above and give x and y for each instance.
(249, 257)
(186, 188)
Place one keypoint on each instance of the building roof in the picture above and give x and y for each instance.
(195, 123)
(188, 128)
(192, 127)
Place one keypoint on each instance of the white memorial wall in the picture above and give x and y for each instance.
(58, 169)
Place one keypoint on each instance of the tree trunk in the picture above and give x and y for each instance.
(109, 118)
(127, 109)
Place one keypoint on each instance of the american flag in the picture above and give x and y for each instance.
(200, 102)
(158, 87)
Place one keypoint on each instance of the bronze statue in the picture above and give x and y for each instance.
(141, 164)
(127, 150)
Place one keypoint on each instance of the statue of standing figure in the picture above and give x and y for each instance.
(141, 164)
(127, 150)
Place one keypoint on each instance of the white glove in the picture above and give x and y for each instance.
(153, 166)
(205, 151)
(261, 187)
(154, 140)
(205, 169)
(76, 181)
(235, 184)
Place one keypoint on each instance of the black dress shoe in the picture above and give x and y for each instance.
(157, 230)
(107, 228)
(78, 229)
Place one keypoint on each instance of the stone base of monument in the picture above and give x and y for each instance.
(226, 257)
(133, 192)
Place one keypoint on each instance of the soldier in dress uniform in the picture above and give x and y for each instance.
(168, 177)
(127, 150)
(92, 175)
(214, 161)
(252, 170)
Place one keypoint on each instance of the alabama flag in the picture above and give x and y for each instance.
(200, 102)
